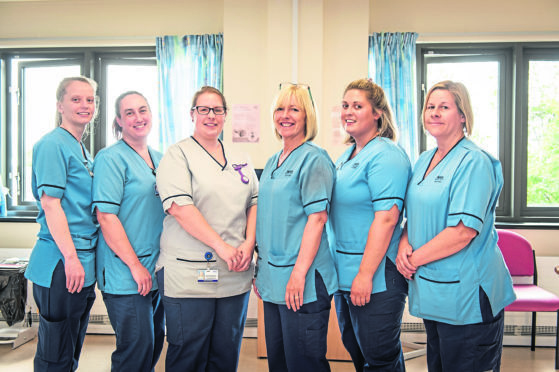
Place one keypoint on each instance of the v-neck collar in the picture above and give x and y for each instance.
(222, 166)
(84, 152)
(284, 160)
(440, 161)
(348, 158)
(153, 170)
(362, 149)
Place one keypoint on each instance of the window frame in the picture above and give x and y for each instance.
(92, 61)
(105, 59)
(20, 128)
(513, 117)
(530, 52)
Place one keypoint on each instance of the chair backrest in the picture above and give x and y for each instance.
(517, 252)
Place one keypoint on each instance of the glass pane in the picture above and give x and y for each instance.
(543, 134)
(143, 79)
(38, 95)
(482, 81)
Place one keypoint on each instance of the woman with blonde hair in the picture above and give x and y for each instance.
(459, 283)
(296, 276)
(367, 203)
(62, 263)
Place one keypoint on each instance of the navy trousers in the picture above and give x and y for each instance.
(468, 348)
(371, 333)
(62, 324)
(203, 334)
(139, 325)
(296, 341)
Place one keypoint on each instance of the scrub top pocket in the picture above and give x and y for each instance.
(439, 291)
(347, 258)
(86, 255)
(279, 270)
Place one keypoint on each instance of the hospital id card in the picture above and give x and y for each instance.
(208, 276)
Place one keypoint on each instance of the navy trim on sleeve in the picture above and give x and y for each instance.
(391, 197)
(106, 202)
(467, 214)
(313, 202)
(48, 185)
(176, 196)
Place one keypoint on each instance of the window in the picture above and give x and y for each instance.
(120, 73)
(28, 100)
(541, 189)
(514, 89)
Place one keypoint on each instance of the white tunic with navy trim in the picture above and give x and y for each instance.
(464, 186)
(189, 175)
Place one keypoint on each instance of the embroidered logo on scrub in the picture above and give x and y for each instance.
(239, 169)
(439, 179)
(289, 172)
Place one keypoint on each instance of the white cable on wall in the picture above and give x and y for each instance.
(295, 40)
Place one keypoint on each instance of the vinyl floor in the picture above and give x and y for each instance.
(98, 348)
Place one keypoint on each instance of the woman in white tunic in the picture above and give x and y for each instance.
(205, 266)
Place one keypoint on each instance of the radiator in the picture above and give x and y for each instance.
(517, 324)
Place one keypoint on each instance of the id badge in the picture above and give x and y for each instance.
(208, 276)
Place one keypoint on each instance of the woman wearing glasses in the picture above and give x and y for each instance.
(296, 276)
(129, 212)
(62, 264)
(371, 180)
(205, 267)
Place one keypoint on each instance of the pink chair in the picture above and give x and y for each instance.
(520, 259)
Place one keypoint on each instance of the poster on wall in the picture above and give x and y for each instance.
(245, 122)
(338, 132)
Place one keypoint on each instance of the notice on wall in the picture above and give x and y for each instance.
(245, 122)
(338, 132)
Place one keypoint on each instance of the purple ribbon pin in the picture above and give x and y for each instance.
(239, 168)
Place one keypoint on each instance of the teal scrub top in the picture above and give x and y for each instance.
(61, 168)
(288, 194)
(124, 185)
(374, 180)
(464, 186)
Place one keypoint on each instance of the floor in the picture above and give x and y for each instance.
(97, 350)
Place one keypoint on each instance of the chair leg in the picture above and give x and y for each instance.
(557, 343)
(533, 341)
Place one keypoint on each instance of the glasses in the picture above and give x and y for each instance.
(304, 86)
(205, 110)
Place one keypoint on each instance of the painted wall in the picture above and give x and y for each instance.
(474, 20)
(258, 50)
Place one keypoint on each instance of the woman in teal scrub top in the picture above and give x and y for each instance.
(459, 283)
(62, 264)
(371, 180)
(130, 214)
(296, 276)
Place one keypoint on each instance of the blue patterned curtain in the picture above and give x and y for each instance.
(392, 66)
(184, 64)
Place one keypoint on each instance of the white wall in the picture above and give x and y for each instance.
(332, 47)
